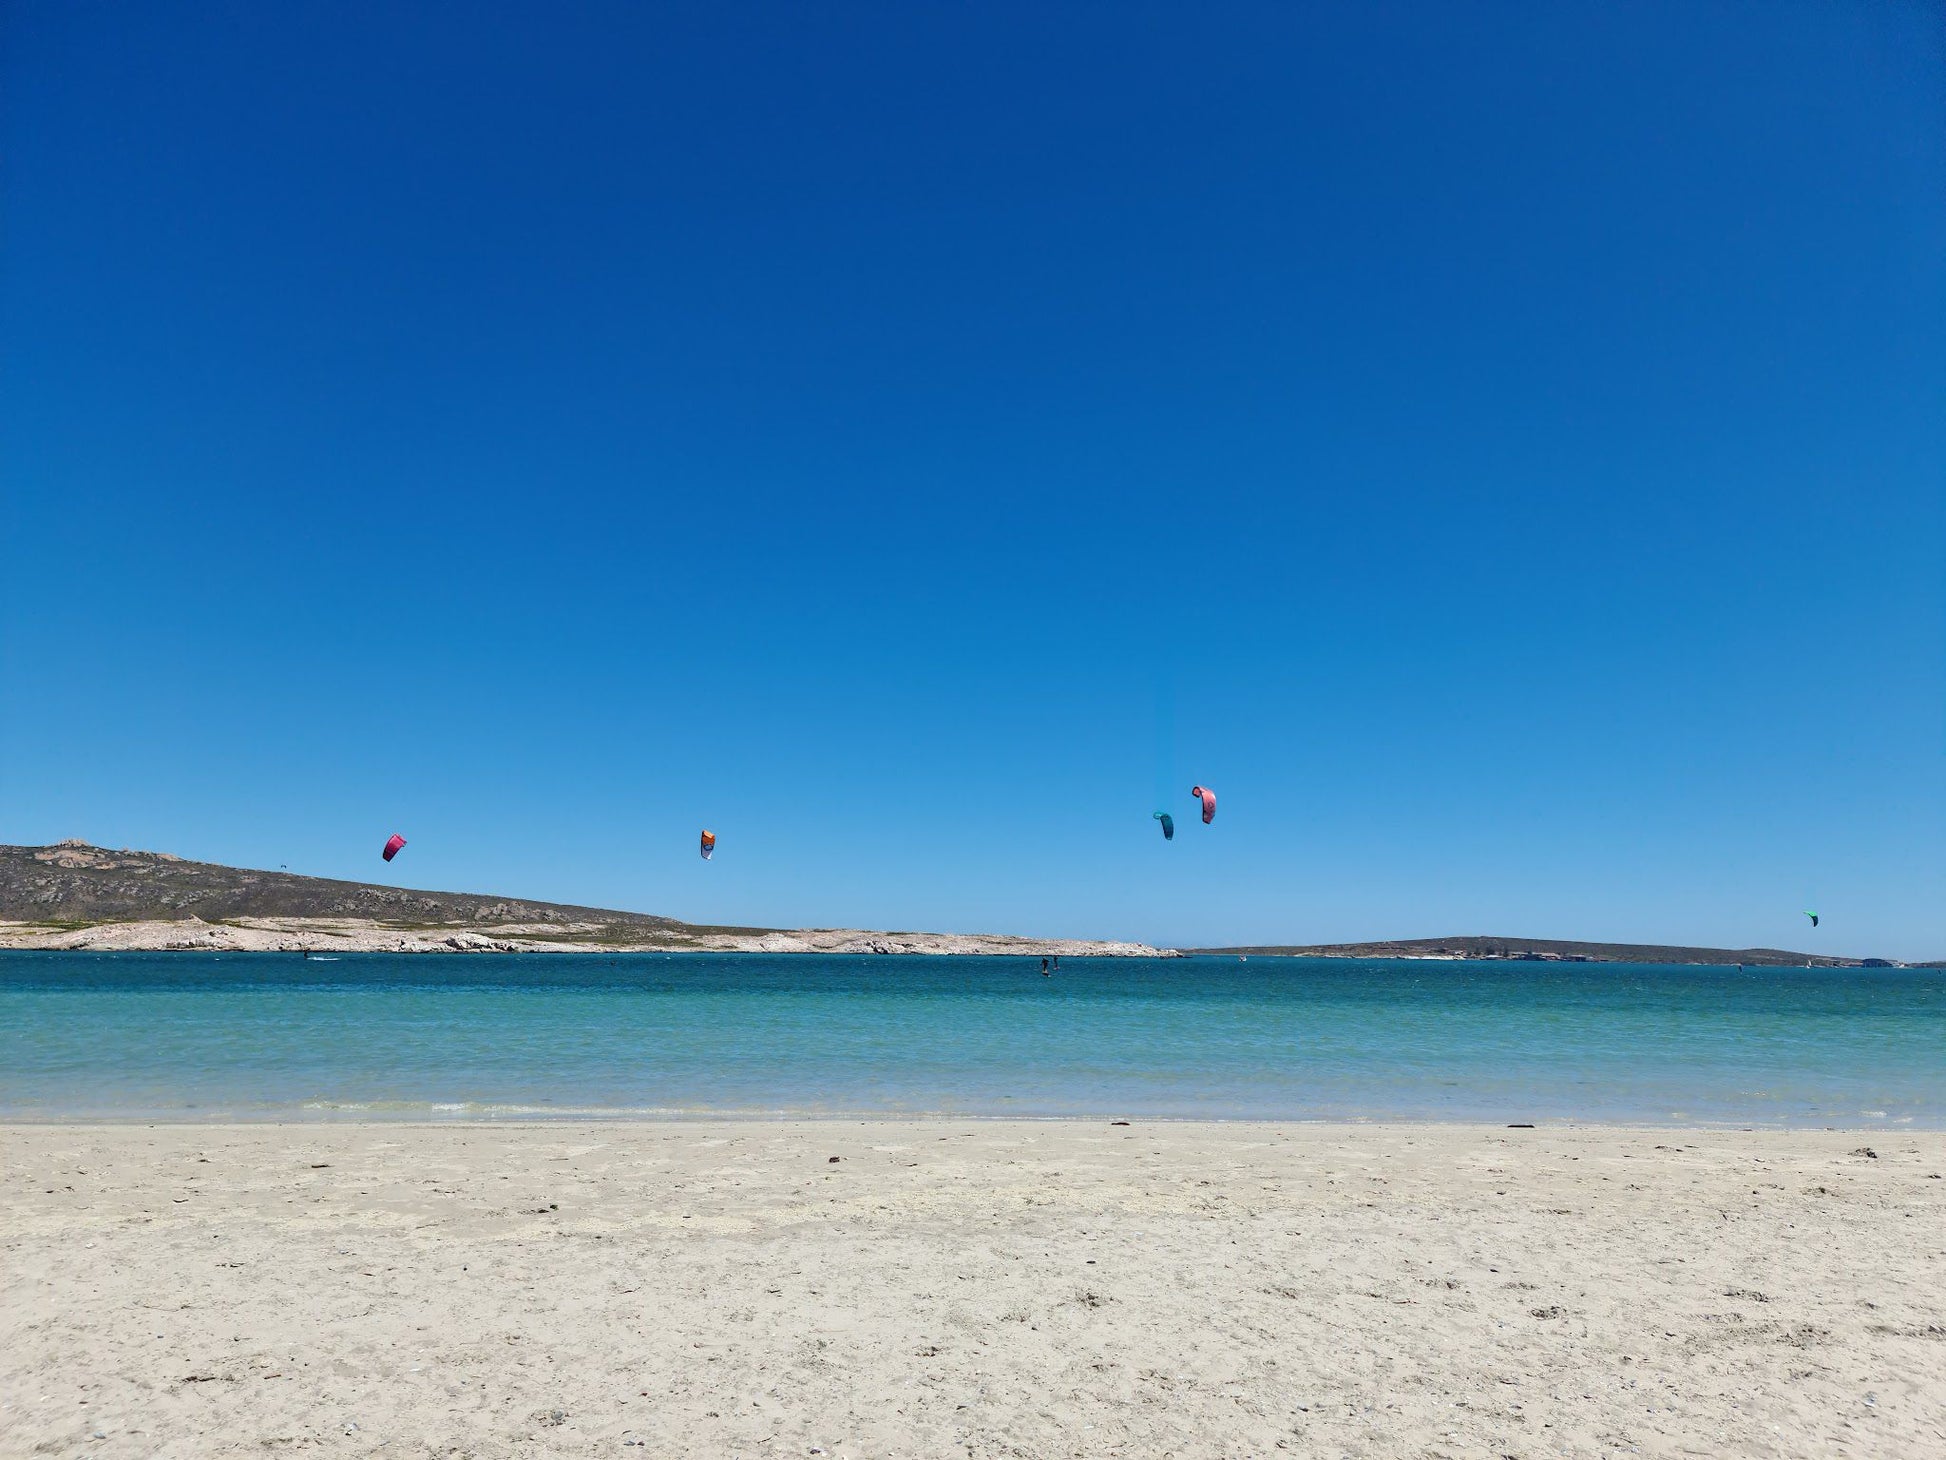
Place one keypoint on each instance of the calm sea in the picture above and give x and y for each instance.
(199, 1036)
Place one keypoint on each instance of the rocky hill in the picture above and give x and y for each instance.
(73, 882)
(76, 896)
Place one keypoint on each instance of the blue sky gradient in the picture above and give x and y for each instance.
(1500, 448)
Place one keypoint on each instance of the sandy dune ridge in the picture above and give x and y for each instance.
(970, 1288)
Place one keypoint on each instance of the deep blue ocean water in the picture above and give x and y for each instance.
(202, 1036)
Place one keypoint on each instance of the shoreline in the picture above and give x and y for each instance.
(984, 1287)
(365, 935)
(622, 1120)
(335, 937)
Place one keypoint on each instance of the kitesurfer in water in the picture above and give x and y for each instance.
(1043, 965)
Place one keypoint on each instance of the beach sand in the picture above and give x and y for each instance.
(970, 1288)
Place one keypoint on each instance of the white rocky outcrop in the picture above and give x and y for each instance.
(363, 935)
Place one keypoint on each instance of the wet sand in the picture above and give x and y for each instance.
(969, 1288)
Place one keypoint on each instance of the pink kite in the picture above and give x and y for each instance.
(1208, 798)
(395, 841)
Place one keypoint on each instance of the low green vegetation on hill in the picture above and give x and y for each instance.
(74, 884)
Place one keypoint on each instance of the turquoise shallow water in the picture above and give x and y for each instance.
(249, 1036)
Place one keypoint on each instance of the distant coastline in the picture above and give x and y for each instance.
(1555, 950)
(76, 896)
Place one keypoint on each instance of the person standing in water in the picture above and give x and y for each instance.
(1043, 965)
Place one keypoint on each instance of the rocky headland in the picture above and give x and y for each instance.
(76, 896)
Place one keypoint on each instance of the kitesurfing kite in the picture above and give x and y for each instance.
(1168, 825)
(1208, 798)
(392, 845)
(1812, 916)
(709, 844)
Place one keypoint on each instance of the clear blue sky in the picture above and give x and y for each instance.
(1501, 448)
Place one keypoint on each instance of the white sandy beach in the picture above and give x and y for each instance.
(970, 1288)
